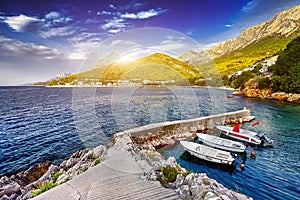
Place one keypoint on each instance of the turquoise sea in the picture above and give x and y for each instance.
(39, 124)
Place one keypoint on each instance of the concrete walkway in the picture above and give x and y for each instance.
(117, 177)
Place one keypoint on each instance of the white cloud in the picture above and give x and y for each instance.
(82, 47)
(114, 31)
(138, 5)
(21, 23)
(17, 49)
(104, 12)
(249, 6)
(143, 14)
(114, 24)
(112, 6)
(27, 62)
(129, 16)
(83, 37)
(57, 32)
(53, 15)
(189, 32)
(123, 42)
(228, 25)
(56, 18)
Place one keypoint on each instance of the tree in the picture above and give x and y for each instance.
(264, 83)
(286, 71)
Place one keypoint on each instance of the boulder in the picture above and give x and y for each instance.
(185, 192)
(171, 162)
(47, 177)
(89, 155)
(281, 96)
(209, 195)
(71, 162)
(63, 178)
(79, 154)
(294, 98)
(32, 174)
(100, 151)
(179, 181)
(9, 187)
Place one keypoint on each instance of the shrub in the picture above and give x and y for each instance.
(240, 81)
(264, 83)
(169, 175)
(96, 160)
(55, 176)
(43, 188)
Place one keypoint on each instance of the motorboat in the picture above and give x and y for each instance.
(208, 153)
(247, 136)
(221, 143)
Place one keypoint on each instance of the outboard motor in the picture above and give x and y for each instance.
(265, 141)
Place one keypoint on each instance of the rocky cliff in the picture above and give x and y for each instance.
(284, 24)
(251, 90)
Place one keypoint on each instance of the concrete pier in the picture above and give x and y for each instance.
(176, 128)
(120, 175)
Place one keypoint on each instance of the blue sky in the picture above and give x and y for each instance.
(39, 39)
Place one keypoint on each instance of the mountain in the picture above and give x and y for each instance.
(253, 45)
(194, 58)
(284, 24)
(155, 67)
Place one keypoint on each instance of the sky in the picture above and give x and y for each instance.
(39, 39)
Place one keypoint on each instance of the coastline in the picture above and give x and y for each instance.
(78, 86)
(267, 94)
(142, 143)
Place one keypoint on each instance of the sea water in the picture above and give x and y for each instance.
(39, 124)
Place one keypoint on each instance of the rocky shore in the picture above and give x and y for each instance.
(267, 94)
(188, 185)
(142, 143)
(29, 183)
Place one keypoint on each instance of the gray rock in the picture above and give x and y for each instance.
(87, 156)
(63, 165)
(71, 162)
(25, 195)
(100, 151)
(47, 177)
(4, 197)
(179, 180)
(8, 187)
(224, 197)
(189, 179)
(63, 178)
(195, 191)
(209, 195)
(13, 197)
(185, 192)
(171, 162)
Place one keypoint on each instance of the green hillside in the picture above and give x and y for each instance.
(251, 54)
(285, 75)
(286, 71)
(156, 67)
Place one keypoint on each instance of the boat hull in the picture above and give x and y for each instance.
(207, 153)
(239, 136)
(221, 143)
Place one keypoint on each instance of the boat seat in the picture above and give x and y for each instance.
(221, 155)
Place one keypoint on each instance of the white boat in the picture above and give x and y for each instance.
(221, 143)
(208, 153)
(246, 135)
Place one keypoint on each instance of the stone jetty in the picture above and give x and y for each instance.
(129, 169)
